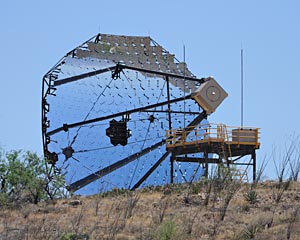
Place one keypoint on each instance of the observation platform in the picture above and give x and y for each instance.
(218, 139)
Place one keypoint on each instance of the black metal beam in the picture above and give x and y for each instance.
(205, 155)
(209, 160)
(242, 164)
(72, 125)
(84, 75)
(201, 80)
(233, 160)
(197, 160)
(148, 173)
(166, 111)
(104, 171)
(253, 155)
(120, 66)
(195, 122)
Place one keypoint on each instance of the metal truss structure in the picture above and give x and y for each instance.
(133, 90)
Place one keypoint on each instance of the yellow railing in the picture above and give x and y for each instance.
(213, 133)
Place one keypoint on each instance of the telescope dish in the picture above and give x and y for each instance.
(106, 106)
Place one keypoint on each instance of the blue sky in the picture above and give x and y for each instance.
(36, 34)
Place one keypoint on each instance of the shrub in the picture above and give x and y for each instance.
(167, 230)
(251, 197)
(25, 177)
(250, 232)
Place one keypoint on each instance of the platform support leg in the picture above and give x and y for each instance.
(219, 167)
(254, 166)
(172, 169)
(205, 155)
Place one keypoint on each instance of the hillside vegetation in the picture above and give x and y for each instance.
(216, 208)
(34, 204)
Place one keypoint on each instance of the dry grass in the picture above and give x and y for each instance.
(153, 214)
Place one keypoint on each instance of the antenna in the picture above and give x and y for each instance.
(242, 87)
(184, 85)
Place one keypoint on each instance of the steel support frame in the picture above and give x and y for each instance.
(166, 111)
(194, 123)
(206, 161)
(49, 84)
(65, 127)
(253, 156)
(48, 88)
(118, 68)
(170, 127)
(104, 171)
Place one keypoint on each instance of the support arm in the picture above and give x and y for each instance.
(195, 122)
(104, 171)
(77, 124)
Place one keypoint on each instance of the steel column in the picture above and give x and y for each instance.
(254, 166)
(170, 127)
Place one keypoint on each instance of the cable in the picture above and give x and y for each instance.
(184, 85)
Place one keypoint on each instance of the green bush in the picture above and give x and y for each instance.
(167, 230)
(251, 197)
(250, 232)
(25, 177)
